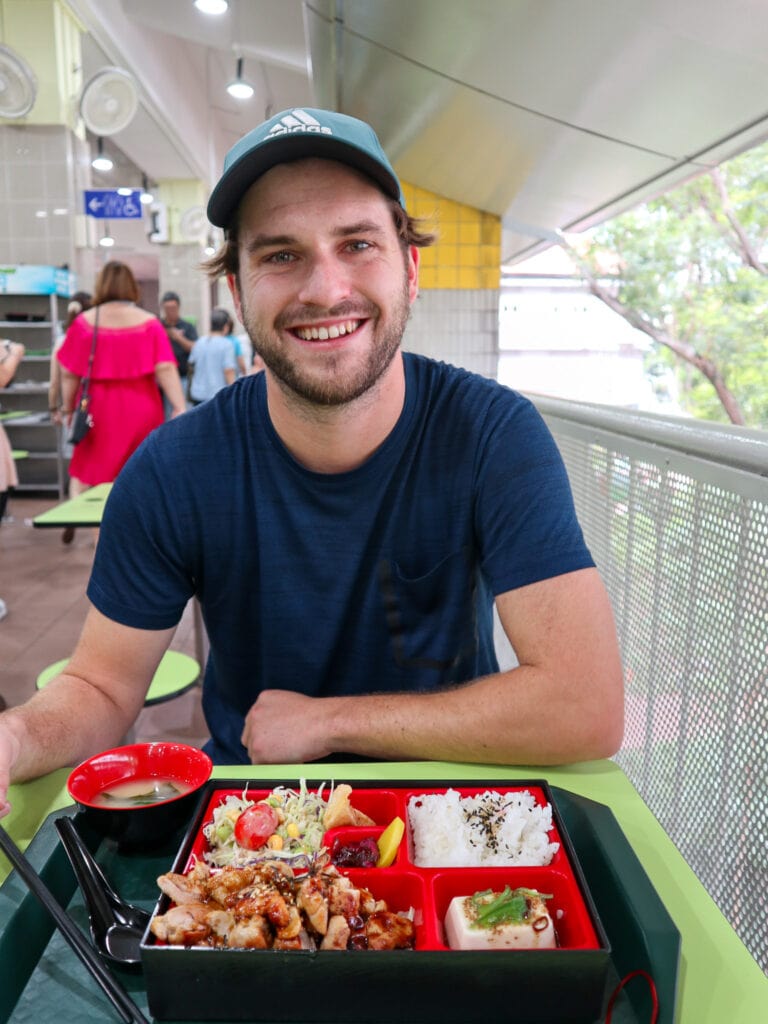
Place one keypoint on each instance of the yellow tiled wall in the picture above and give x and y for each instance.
(468, 250)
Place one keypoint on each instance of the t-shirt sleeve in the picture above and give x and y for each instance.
(525, 516)
(140, 577)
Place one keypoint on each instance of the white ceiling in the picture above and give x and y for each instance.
(553, 114)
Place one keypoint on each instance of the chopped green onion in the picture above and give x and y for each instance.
(507, 907)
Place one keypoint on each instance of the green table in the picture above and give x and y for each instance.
(84, 510)
(719, 981)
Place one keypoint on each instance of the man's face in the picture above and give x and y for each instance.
(171, 312)
(324, 288)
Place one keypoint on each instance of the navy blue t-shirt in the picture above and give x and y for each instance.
(379, 579)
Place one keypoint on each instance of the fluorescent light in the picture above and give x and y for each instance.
(107, 241)
(212, 6)
(125, 191)
(239, 88)
(41, 213)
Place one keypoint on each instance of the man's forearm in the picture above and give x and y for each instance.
(514, 717)
(50, 731)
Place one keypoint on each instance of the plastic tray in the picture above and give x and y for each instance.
(42, 980)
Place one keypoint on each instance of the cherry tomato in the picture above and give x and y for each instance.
(255, 825)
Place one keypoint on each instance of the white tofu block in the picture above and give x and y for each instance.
(462, 932)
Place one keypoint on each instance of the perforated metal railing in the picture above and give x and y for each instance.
(676, 515)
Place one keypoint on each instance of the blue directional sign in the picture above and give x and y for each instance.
(113, 204)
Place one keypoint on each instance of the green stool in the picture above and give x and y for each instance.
(175, 674)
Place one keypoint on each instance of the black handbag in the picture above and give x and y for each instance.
(82, 421)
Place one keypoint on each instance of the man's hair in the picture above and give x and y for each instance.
(220, 320)
(115, 282)
(227, 261)
(171, 297)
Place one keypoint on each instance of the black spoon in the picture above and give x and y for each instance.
(117, 927)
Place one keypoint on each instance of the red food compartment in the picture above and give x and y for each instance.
(570, 917)
(381, 805)
(351, 834)
(402, 891)
(559, 859)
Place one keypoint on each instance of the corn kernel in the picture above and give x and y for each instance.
(275, 842)
(292, 829)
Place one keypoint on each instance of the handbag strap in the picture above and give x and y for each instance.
(87, 378)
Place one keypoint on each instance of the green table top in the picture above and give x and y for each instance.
(84, 510)
(719, 980)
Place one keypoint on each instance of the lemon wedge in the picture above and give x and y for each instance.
(388, 842)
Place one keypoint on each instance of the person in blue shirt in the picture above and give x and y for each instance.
(349, 518)
(212, 360)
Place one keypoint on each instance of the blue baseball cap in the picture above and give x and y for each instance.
(295, 135)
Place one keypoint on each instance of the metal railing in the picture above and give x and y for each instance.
(676, 515)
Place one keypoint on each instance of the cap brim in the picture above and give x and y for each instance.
(236, 181)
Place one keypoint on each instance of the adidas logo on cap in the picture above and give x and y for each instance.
(297, 121)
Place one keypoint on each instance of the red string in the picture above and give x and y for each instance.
(620, 986)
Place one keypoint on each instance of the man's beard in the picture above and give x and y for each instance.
(335, 385)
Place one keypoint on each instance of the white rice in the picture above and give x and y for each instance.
(490, 829)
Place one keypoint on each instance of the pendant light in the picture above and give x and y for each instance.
(146, 196)
(101, 161)
(211, 6)
(238, 87)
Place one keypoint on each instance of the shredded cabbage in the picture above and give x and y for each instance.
(299, 808)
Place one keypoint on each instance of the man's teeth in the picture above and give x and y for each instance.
(324, 333)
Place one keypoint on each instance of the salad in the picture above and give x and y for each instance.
(286, 825)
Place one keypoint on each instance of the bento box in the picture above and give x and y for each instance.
(430, 982)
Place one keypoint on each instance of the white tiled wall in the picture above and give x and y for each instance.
(459, 326)
(37, 177)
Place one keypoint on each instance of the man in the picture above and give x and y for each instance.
(347, 517)
(213, 359)
(181, 333)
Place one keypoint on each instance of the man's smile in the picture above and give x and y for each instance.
(322, 332)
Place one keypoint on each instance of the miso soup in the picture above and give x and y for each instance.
(139, 792)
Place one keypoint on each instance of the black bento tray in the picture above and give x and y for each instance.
(48, 983)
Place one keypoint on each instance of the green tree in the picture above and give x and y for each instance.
(689, 269)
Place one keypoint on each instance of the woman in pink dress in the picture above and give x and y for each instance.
(133, 362)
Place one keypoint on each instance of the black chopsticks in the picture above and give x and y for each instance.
(122, 1002)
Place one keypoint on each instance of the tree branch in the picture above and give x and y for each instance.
(683, 350)
(746, 249)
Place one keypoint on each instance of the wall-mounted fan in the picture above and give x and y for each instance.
(109, 101)
(18, 84)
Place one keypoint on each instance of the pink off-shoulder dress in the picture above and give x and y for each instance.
(126, 403)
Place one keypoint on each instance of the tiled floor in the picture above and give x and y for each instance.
(43, 581)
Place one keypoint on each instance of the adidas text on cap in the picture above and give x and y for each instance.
(295, 135)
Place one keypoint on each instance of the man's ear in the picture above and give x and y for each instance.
(234, 291)
(413, 272)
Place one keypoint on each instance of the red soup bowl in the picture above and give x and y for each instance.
(141, 793)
